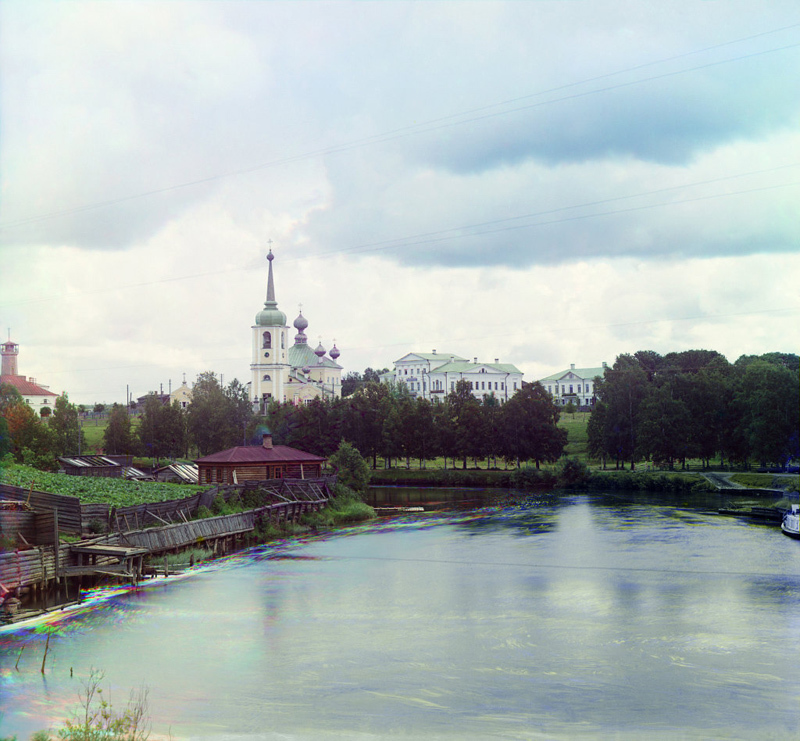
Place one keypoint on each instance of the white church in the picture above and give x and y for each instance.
(283, 372)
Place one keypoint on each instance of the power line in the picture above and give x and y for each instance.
(458, 232)
(436, 123)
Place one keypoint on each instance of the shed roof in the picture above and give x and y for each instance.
(260, 454)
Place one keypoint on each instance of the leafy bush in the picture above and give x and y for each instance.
(351, 469)
(572, 473)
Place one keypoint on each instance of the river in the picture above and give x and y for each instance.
(587, 616)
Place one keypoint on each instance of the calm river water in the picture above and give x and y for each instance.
(581, 617)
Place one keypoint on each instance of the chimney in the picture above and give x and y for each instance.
(266, 440)
(434, 352)
(572, 366)
(475, 361)
(604, 364)
(497, 361)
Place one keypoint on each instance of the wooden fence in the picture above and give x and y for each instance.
(69, 508)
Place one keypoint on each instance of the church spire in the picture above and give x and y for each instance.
(270, 281)
(270, 315)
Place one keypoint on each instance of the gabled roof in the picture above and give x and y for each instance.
(260, 454)
(467, 367)
(26, 387)
(443, 357)
(582, 373)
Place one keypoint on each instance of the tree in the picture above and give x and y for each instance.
(663, 423)
(45, 412)
(364, 417)
(217, 417)
(32, 441)
(622, 389)
(423, 440)
(68, 435)
(530, 428)
(162, 429)
(9, 396)
(117, 438)
(771, 402)
(350, 467)
(99, 408)
(464, 412)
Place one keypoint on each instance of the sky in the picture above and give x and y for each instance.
(543, 183)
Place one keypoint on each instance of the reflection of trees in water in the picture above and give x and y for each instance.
(526, 516)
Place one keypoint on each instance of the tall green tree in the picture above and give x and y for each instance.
(530, 428)
(770, 398)
(9, 396)
(65, 425)
(117, 437)
(162, 429)
(217, 417)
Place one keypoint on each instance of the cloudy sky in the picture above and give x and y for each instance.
(541, 182)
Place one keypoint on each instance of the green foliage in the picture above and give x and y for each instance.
(351, 469)
(572, 473)
(96, 720)
(344, 508)
(530, 477)
(65, 425)
(203, 513)
(641, 481)
(162, 429)
(118, 435)
(217, 417)
(118, 492)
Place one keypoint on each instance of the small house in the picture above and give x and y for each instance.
(258, 463)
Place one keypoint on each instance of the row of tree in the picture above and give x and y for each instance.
(32, 439)
(697, 405)
(381, 421)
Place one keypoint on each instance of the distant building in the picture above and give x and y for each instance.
(576, 385)
(280, 372)
(258, 463)
(434, 375)
(35, 395)
(182, 394)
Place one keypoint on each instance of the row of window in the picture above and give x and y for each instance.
(587, 389)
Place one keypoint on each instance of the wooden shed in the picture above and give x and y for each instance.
(258, 463)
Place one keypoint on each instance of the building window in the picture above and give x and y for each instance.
(267, 344)
(267, 378)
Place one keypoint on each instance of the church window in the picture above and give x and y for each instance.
(283, 341)
(267, 340)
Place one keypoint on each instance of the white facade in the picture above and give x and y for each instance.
(576, 385)
(281, 371)
(434, 375)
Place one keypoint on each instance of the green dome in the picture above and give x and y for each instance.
(270, 316)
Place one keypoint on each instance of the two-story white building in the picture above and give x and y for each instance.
(434, 375)
(576, 385)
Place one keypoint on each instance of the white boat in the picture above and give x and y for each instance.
(791, 522)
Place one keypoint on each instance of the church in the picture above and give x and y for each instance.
(36, 396)
(288, 373)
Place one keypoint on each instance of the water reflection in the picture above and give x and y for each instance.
(584, 617)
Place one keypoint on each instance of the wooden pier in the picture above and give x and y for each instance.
(34, 567)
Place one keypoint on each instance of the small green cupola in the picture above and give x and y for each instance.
(270, 315)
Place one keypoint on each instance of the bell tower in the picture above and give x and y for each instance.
(10, 352)
(269, 367)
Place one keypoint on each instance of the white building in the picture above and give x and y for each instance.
(33, 394)
(576, 385)
(434, 375)
(283, 372)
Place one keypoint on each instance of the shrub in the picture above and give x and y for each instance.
(351, 469)
(572, 473)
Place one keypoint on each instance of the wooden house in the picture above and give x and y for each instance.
(259, 463)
